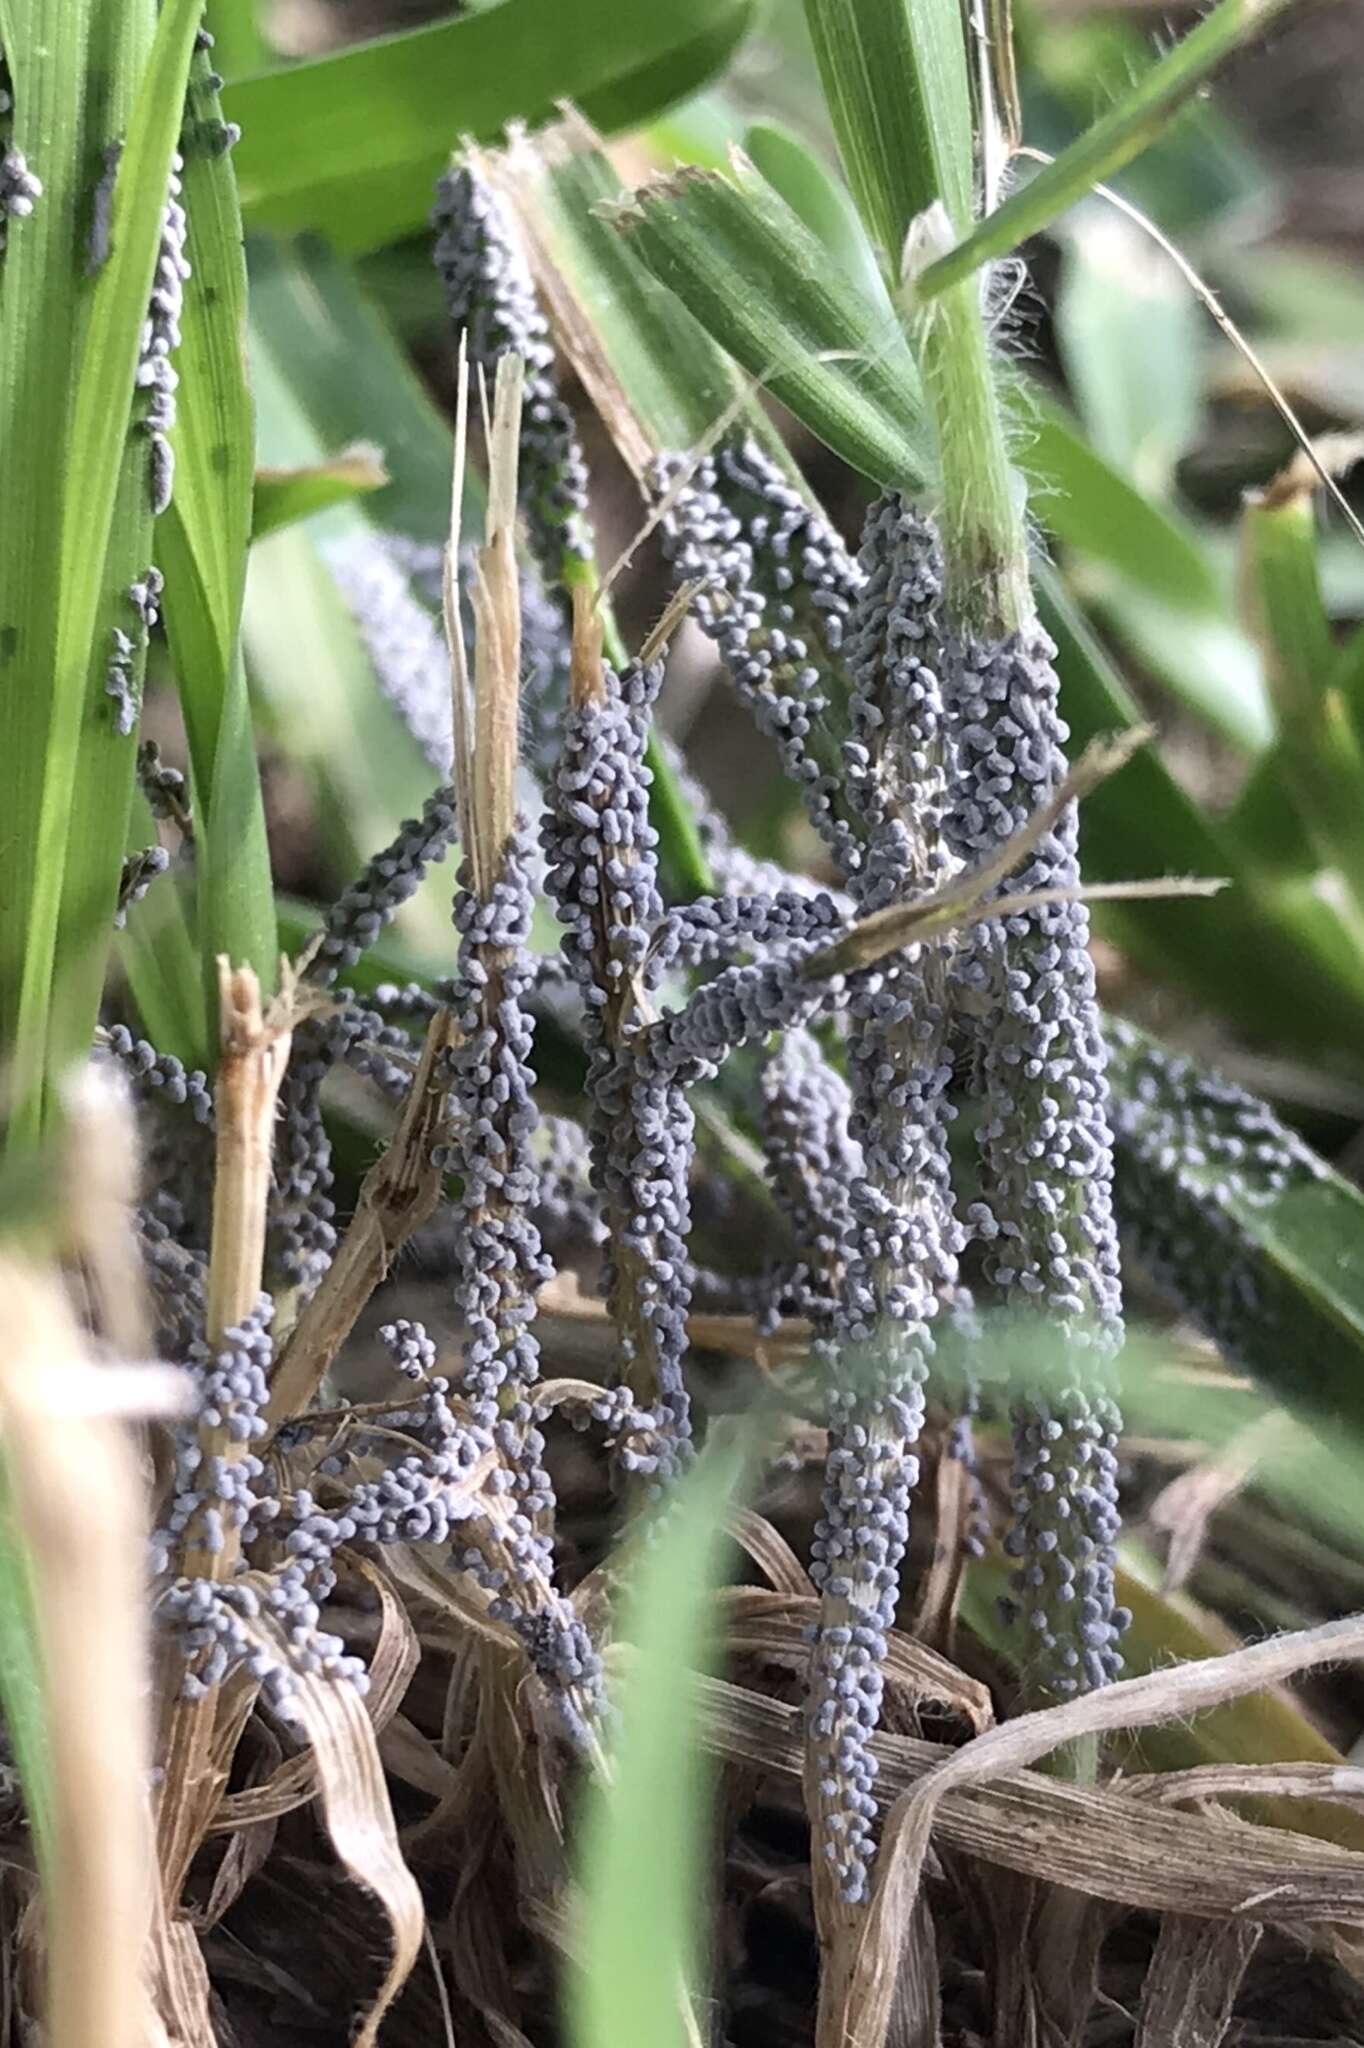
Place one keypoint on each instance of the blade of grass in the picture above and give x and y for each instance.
(898, 92)
(68, 454)
(203, 538)
(311, 676)
(650, 368)
(159, 953)
(334, 352)
(821, 202)
(1116, 137)
(1319, 752)
(1131, 341)
(21, 1675)
(642, 1845)
(753, 274)
(239, 46)
(351, 144)
(284, 496)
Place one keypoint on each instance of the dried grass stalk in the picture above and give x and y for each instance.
(1132, 1703)
(196, 1737)
(1193, 1980)
(78, 1498)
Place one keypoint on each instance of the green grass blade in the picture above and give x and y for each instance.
(1253, 952)
(284, 496)
(766, 290)
(899, 95)
(652, 371)
(1131, 337)
(1116, 137)
(310, 674)
(1319, 752)
(203, 540)
(817, 197)
(1145, 571)
(349, 380)
(21, 1676)
(641, 1868)
(1086, 502)
(158, 950)
(71, 463)
(351, 144)
(328, 371)
(238, 44)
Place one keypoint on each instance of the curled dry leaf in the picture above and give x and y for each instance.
(1186, 1505)
(357, 1813)
(1131, 1703)
(773, 1626)
(394, 1659)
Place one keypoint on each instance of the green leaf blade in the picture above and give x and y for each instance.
(760, 283)
(352, 143)
(642, 1840)
(69, 441)
(1139, 118)
(203, 539)
(896, 83)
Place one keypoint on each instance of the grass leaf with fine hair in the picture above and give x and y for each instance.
(755, 276)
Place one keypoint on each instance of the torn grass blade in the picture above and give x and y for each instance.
(766, 290)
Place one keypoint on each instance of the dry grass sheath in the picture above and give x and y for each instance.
(196, 1737)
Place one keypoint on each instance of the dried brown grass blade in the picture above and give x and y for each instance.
(358, 1817)
(939, 1588)
(526, 1774)
(194, 1755)
(1343, 1783)
(1133, 1703)
(391, 1666)
(773, 1625)
(515, 172)
(1191, 1985)
(1105, 1843)
(398, 1194)
(771, 1553)
(79, 1500)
